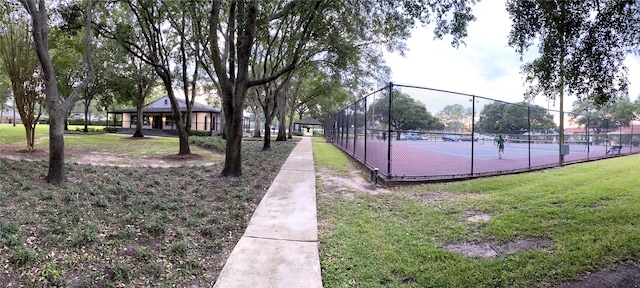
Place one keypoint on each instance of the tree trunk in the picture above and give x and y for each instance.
(233, 129)
(266, 145)
(56, 175)
(29, 132)
(183, 135)
(66, 122)
(33, 135)
(139, 118)
(282, 113)
(86, 115)
(291, 114)
(282, 127)
(256, 122)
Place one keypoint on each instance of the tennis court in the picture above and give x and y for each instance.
(428, 134)
(422, 159)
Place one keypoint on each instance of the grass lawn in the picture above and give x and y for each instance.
(126, 226)
(585, 215)
(97, 148)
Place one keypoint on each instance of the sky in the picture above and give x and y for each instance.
(486, 66)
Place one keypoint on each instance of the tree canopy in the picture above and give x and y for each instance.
(406, 113)
(606, 117)
(507, 118)
(454, 116)
(582, 46)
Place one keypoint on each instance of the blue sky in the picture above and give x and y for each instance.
(486, 66)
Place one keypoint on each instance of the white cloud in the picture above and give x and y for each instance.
(486, 66)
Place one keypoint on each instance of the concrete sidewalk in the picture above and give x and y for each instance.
(280, 246)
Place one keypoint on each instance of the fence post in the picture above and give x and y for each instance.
(355, 127)
(588, 137)
(473, 130)
(631, 140)
(389, 130)
(607, 140)
(529, 130)
(366, 135)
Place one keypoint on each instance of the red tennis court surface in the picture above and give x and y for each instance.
(434, 160)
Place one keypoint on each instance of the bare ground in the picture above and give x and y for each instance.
(98, 157)
(342, 186)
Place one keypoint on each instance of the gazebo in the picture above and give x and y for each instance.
(306, 121)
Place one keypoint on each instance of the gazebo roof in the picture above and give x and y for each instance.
(308, 121)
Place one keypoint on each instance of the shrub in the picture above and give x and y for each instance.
(297, 133)
(197, 133)
(211, 142)
(75, 121)
(22, 255)
(110, 129)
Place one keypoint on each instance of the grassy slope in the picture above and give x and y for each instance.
(590, 212)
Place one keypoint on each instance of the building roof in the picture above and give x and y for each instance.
(308, 121)
(163, 105)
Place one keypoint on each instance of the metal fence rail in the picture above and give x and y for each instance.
(406, 133)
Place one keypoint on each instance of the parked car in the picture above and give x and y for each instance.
(412, 137)
(484, 137)
(452, 138)
(468, 138)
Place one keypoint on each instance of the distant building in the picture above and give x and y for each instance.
(159, 115)
(6, 115)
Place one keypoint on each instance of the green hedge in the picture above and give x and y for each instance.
(198, 133)
(77, 121)
(211, 142)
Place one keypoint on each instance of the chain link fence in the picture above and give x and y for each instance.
(410, 133)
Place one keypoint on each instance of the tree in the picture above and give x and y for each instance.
(20, 63)
(582, 46)
(605, 117)
(453, 117)
(507, 118)
(57, 109)
(380, 22)
(234, 78)
(143, 29)
(407, 114)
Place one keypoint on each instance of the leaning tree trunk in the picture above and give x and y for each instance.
(183, 135)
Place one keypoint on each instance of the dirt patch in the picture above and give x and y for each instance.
(97, 157)
(622, 276)
(347, 186)
(493, 249)
(479, 217)
(30, 152)
(176, 157)
(484, 250)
